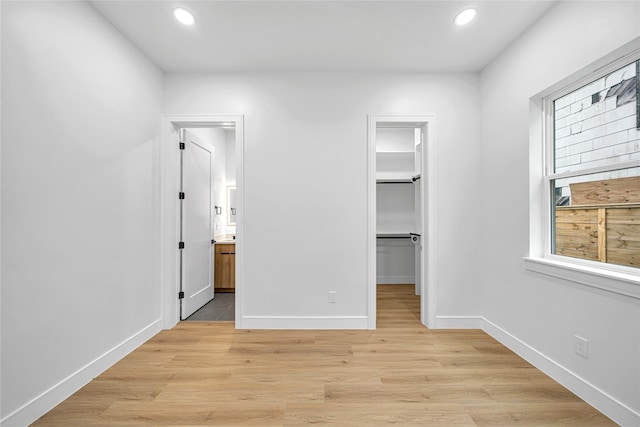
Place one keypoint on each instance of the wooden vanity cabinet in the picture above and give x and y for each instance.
(225, 267)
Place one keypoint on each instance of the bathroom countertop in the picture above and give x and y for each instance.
(225, 240)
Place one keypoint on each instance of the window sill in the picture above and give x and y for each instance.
(612, 281)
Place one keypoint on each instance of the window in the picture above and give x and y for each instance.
(592, 168)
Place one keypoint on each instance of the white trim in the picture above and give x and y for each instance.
(40, 405)
(371, 223)
(169, 157)
(603, 402)
(305, 322)
(428, 209)
(594, 170)
(240, 204)
(459, 322)
(539, 220)
(612, 281)
(428, 267)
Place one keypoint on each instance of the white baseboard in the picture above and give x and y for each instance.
(46, 401)
(395, 280)
(459, 322)
(304, 322)
(609, 406)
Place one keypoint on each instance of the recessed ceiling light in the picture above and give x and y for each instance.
(184, 16)
(466, 16)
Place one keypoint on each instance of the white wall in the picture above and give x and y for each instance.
(395, 139)
(541, 312)
(395, 261)
(231, 156)
(395, 208)
(230, 173)
(80, 124)
(305, 184)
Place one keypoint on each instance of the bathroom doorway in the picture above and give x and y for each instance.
(210, 259)
(222, 222)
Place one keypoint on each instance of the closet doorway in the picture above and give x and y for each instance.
(400, 223)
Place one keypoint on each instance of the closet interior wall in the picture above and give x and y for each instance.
(398, 167)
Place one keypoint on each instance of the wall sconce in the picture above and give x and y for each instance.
(218, 210)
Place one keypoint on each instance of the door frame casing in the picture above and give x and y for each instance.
(427, 213)
(170, 208)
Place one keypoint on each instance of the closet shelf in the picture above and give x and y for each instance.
(394, 180)
(395, 153)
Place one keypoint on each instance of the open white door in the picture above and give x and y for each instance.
(196, 230)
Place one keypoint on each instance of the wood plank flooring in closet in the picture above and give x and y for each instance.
(208, 374)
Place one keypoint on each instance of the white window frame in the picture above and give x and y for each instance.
(615, 278)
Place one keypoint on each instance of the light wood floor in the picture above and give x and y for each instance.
(201, 374)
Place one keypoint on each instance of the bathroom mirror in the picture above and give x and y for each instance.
(231, 204)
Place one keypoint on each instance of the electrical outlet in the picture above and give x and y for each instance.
(581, 346)
(332, 297)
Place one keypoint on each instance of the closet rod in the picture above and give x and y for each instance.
(399, 181)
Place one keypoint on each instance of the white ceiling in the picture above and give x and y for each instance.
(321, 35)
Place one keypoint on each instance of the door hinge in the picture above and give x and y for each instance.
(182, 145)
(181, 195)
(180, 245)
(180, 295)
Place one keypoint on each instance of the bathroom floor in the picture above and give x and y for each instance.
(221, 307)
